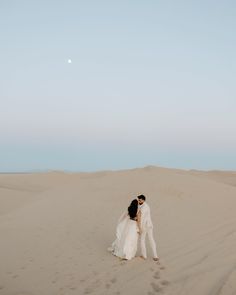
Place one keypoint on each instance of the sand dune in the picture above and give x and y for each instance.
(228, 177)
(55, 229)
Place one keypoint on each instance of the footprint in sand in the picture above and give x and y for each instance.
(156, 275)
(113, 280)
(156, 288)
(123, 263)
(72, 288)
(165, 283)
(92, 287)
(88, 291)
(1, 287)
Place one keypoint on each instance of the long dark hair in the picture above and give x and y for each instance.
(133, 208)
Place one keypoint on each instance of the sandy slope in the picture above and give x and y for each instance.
(55, 229)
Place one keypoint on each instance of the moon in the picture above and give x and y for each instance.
(69, 61)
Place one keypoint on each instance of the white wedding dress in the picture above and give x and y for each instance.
(125, 245)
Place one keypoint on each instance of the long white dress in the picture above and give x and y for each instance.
(125, 244)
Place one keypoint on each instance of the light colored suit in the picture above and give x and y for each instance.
(147, 229)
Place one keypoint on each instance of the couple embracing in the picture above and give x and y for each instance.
(134, 223)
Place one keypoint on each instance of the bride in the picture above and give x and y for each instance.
(127, 231)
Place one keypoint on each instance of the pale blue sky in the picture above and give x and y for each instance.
(150, 83)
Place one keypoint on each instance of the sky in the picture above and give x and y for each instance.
(149, 83)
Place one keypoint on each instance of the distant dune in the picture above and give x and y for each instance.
(55, 228)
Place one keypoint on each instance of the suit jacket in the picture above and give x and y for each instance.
(146, 221)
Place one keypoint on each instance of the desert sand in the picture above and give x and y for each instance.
(55, 229)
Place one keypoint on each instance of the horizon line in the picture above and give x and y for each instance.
(50, 170)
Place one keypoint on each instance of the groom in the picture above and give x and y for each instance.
(146, 228)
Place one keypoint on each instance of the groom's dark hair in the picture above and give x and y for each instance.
(142, 197)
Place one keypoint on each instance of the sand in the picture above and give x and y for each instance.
(55, 228)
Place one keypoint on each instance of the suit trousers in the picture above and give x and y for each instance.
(152, 242)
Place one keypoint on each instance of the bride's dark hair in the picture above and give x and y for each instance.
(133, 208)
